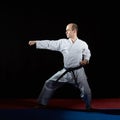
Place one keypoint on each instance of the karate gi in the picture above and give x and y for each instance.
(72, 56)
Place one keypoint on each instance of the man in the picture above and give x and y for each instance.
(76, 54)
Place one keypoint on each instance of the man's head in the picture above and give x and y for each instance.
(71, 30)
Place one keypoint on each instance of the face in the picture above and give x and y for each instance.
(69, 31)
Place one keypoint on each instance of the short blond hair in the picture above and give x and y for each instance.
(74, 26)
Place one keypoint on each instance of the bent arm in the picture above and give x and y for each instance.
(86, 55)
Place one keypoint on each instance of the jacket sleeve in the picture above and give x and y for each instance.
(48, 44)
(86, 52)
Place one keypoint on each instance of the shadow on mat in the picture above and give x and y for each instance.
(106, 111)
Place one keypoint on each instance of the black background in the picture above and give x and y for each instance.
(24, 69)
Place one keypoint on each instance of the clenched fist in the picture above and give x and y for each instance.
(32, 43)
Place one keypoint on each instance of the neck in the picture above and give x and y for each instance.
(73, 39)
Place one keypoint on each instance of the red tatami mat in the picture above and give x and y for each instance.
(76, 104)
